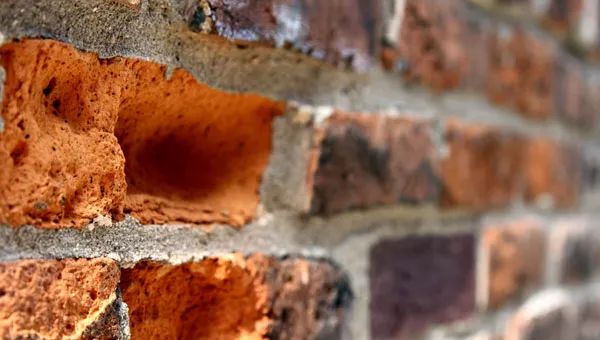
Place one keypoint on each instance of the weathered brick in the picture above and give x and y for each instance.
(56, 299)
(575, 246)
(514, 258)
(521, 72)
(548, 315)
(430, 44)
(233, 297)
(89, 137)
(419, 282)
(484, 168)
(553, 173)
(340, 32)
(367, 160)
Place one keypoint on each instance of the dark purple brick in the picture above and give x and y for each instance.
(419, 282)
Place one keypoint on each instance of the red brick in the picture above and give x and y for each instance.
(55, 299)
(514, 258)
(341, 32)
(553, 173)
(548, 315)
(483, 169)
(430, 43)
(233, 297)
(368, 160)
(420, 282)
(589, 325)
(521, 73)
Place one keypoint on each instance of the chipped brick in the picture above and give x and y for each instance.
(58, 299)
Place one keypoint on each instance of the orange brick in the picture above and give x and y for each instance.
(514, 259)
(483, 169)
(521, 73)
(234, 297)
(56, 299)
(553, 172)
(93, 137)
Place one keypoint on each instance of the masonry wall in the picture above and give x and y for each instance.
(278, 169)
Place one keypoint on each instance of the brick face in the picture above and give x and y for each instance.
(521, 73)
(54, 299)
(553, 171)
(418, 282)
(340, 32)
(484, 168)
(230, 297)
(515, 253)
(372, 160)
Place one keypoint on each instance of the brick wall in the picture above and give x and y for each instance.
(334, 169)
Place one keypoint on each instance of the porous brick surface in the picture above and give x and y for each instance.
(58, 299)
(87, 137)
(236, 298)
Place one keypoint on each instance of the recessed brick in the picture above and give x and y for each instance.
(484, 168)
(232, 297)
(548, 315)
(553, 173)
(576, 249)
(89, 137)
(55, 299)
(368, 160)
(521, 73)
(419, 282)
(342, 33)
(514, 255)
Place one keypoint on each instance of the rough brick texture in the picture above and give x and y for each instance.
(514, 255)
(420, 281)
(56, 299)
(85, 137)
(233, 297)
(373, 160)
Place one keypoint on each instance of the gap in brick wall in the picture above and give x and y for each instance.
(85, 137)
